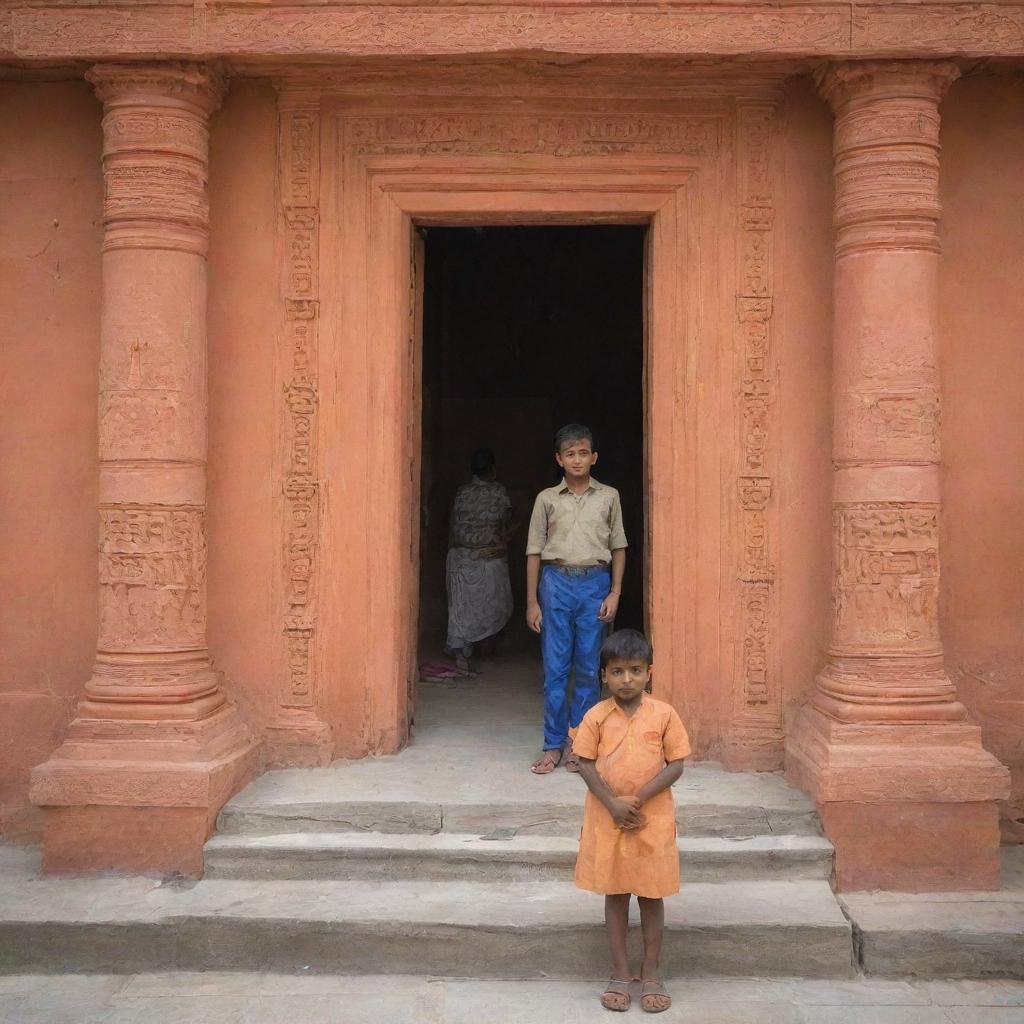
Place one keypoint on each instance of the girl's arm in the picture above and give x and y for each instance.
(625, 810)
(665, 778)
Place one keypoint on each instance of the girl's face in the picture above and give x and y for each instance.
(627, 678)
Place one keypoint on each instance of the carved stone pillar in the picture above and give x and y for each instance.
(156, 748)
(906, 791)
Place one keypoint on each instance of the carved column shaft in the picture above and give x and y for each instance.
(886, 659)
(152, 660)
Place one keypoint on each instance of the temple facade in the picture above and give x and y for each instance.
(211, 420)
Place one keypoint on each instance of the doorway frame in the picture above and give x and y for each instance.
(380, 202)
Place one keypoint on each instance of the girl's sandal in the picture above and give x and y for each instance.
(616, 995)
(653, 997)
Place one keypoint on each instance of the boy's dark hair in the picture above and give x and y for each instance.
(626, 645)
(482, 461)
(573, 432)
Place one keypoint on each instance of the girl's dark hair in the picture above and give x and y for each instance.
(626, 645)
(482, 461)
(573, 432)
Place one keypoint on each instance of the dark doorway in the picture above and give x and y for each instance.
(525, 329)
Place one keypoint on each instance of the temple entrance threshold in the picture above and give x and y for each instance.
(524, 329)
(461, 801)
(471, 856)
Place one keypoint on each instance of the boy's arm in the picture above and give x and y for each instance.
(533, 612)
(665, 778)
(625, 810)
(610, 605)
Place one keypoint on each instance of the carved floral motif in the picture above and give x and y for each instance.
(758, 699)
(300, 156)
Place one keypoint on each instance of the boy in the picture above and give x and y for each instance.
(631, 749)
(575, 558)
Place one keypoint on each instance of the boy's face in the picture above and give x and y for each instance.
(627, 678)
(576, 458)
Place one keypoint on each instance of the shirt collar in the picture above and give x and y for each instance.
(641, 706)
(563, 487)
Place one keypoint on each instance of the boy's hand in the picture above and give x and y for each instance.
(534, 617)
(609, 607)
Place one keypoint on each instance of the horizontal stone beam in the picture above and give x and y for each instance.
(35, 31)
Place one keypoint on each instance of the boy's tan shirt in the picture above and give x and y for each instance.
(572, 530)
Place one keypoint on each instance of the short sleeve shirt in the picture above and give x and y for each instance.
(576, 530)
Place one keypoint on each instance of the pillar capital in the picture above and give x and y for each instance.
(886, 149)
(186, 84)
(155, 151)
(843, 83)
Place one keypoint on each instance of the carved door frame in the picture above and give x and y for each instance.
(701, 180)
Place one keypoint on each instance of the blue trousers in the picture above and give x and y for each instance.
(570, 639)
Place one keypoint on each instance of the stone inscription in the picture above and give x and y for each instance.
(886, 588)
(757, 690)
(297, 361)
(152, 578)
(551, 136)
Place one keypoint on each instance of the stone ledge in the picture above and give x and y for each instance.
(42, 31)
(466, 929)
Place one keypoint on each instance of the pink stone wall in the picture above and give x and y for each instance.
(50, 231)
(982, 309)
(49, 305)
(243, 324)
(804, 311)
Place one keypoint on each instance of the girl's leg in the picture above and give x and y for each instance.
(616, 923)
(652, 923)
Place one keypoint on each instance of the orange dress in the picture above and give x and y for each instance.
(629, 753)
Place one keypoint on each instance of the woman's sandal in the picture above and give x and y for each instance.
(616, 995)
(650, 991)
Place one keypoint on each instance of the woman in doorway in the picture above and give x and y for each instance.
(479, 592)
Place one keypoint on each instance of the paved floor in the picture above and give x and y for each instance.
(277, 999)
(474, 741)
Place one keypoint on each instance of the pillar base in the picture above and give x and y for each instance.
(140, 796)
(298, 739)
(908, 808)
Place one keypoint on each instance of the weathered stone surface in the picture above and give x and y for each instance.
(217, 997)
(420, 791)
(956, 935)
(348, 856)
(458, 928)
(57, 30)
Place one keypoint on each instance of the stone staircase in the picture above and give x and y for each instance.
(451, 860)
(475, 877)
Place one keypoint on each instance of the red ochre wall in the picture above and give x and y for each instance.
(982, 310)
(803, 338)
(50, 231)
(244, 318)
(49, 330)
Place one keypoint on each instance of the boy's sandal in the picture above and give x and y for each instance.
(653, 997)
(616, 995)
(547, 762)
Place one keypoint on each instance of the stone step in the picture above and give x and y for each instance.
(935, 935)
(428, 791)
(446, 855)
(457, 929)
(396, 817)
